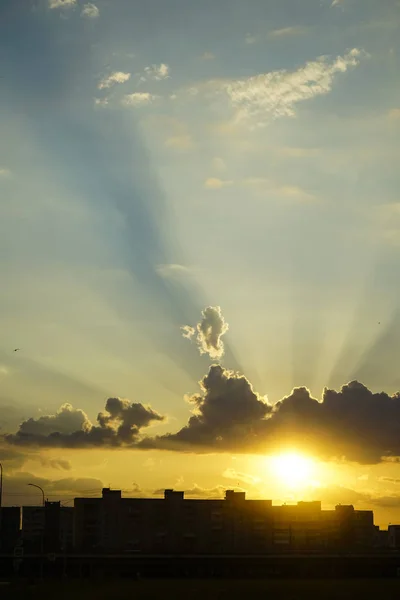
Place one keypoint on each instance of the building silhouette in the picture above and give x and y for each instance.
(10, 528)
(234, 525)
(47, 528)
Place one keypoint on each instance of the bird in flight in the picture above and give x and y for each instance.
(17, 349)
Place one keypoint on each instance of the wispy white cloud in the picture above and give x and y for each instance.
(156, 72)
(116, 77)
(90, 11)
(287, 31)
(137, 99)
(240, 477)
(62, 3)
(101, 101)
(214, 183)
(172, 270)
(275, 94)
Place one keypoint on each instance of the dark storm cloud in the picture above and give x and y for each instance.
(118, 425)
(230, 416)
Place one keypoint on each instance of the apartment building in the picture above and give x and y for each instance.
(233, 525)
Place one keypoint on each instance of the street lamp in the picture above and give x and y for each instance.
(1, 485)
(39, 488)
(1, 497)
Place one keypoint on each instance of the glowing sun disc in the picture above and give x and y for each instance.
(292, 469)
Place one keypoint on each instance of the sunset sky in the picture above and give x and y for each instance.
(199, 247)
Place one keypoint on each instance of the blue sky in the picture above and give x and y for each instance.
(160, 157)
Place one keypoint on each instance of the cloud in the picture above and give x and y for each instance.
(62, 3)
(290, 192)
(188, 332)
(118, 425)
(209, 332)
(4, 172)
(390, 480)
(214, 183)
(55, 463)
(16, 490)
(90, 11)
(240, 477)
(223, 415)
(180, 142)
(295, 193)
(207, 56)
(101, 101)
(172, 270)
(228, 415)
(394, 113)
(156, 72)
(116, 77)
(286, 32)
(137, 99)
(276, 94)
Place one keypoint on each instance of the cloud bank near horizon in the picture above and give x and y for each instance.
(228, 415)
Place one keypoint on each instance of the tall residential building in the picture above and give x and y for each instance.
(10, 528)
(47, 528)
(234, 525)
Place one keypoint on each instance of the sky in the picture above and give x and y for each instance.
(199, 249)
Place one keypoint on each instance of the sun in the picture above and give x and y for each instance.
(292, 469)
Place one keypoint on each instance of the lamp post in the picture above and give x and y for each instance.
(42, 536)
(39, 488)
(1, 485)
(1, 499)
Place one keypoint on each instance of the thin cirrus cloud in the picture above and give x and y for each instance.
(90, 11)
(114, 78)
(215, 183)
(172, 270)
(262, 185)
(287, 31)
(137, 99)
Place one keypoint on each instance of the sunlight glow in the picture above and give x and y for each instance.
(292, 469)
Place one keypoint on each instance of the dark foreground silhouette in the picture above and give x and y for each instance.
(388, 589)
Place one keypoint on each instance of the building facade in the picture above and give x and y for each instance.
(10, 528)
(234, 525)
(47, 528)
